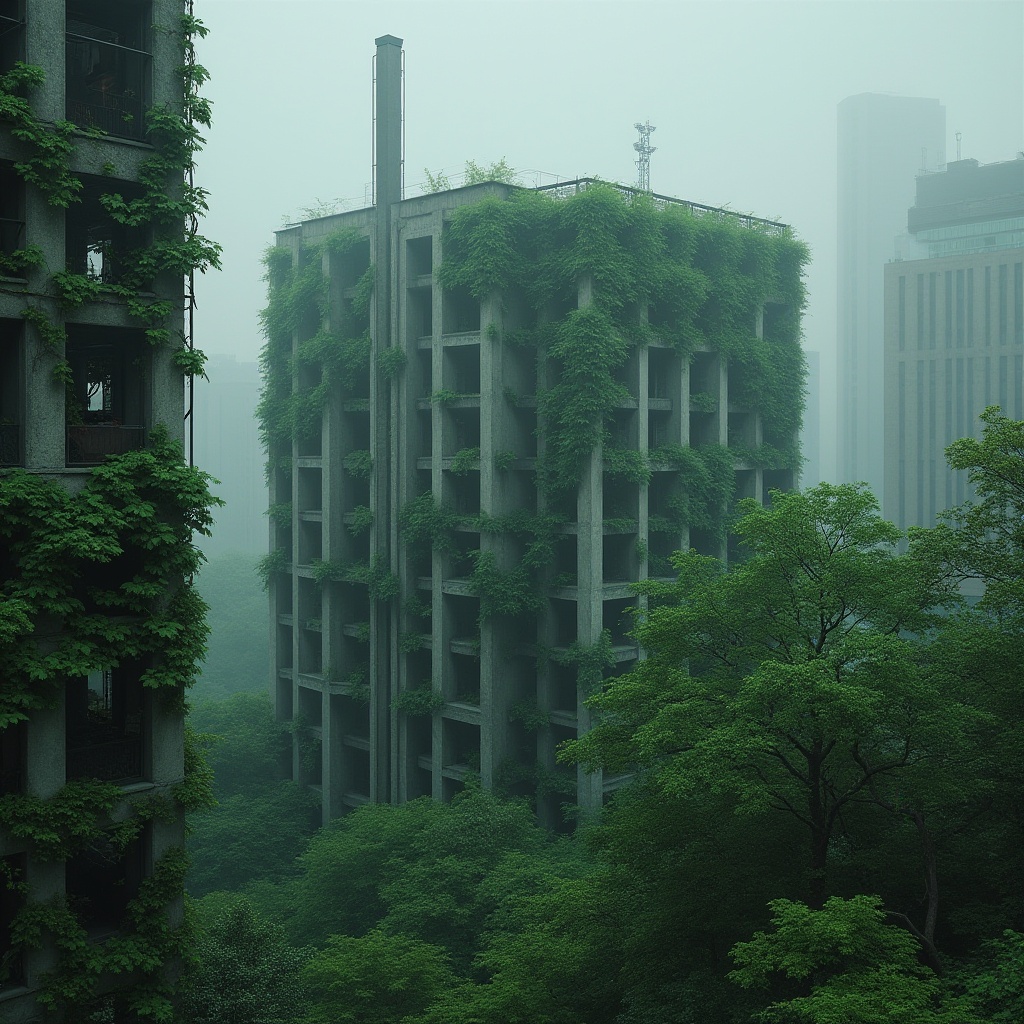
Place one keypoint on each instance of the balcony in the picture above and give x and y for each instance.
(107, 68)
(88, 444)
(105, 727)
(104, 405)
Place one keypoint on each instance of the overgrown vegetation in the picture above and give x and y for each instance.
(107, 571)
(105, 574)
(168, 201)
(800, 798)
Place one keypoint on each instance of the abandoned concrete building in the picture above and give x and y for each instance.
(489, 411)
(89, 743)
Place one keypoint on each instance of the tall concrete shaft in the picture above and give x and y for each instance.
(389, 122)
(388, 179)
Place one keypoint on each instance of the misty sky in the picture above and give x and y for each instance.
(743, 95)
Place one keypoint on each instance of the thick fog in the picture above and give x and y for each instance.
(743, 96)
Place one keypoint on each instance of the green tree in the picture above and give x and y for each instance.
(990, 530)
(375, 978)
(249, 837)
(842, 964)
(243, 972)
(245, 745)
(797, 682)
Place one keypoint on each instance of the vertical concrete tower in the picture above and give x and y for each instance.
(883, 143)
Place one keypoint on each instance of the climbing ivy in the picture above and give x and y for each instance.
(702, 278)
(333, 360)
(105, 573)
(108, 571)
(168, 200)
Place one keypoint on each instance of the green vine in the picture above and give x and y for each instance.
(422, 700)
(359, 464)
(465, 460)
(68, 566)
(590, 660)
(361, 520)
(708, 482)
(167, 201)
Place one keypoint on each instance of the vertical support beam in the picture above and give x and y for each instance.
(388, 177)
(589, 578)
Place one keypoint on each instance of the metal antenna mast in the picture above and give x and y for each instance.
(645, 149)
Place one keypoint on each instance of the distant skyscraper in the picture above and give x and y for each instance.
(883, 143)
(954, 330)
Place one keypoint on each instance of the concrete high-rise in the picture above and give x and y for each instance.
(954, 330)
(883, 142)
(489, 412)
(98, 627)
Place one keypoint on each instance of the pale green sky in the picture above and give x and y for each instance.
(743, 95)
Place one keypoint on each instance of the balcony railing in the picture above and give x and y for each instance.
(89, 444)
(114, 760)
(106, 85)
(10, 444)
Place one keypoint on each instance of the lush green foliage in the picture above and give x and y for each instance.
(243, 970)
(333, 361)
(705, 278)
(106, 572)
(104, 568)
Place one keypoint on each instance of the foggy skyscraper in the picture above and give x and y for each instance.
(954, 330)
(883, 143)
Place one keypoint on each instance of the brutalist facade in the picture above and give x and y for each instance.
(401, 671)
(103, 64)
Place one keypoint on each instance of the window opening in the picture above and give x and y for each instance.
(107, 66)
(104, 726)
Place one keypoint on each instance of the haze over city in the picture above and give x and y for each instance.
(743, 96)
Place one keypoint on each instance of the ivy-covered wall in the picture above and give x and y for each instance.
(658, 273)
(532, 344)
(96, 565)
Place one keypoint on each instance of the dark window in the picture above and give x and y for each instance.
(948, 326)
(12, 874)
(105, 404)
(960, 309)
(931, 310)
(12, 34)
(107, 65)
(95, 244)
(1002, 304)
(12, 217)
(1018, 303)
(988, 305)
(12, 759)
(102, 880)
(104, 725)
(970, 307)
(920, 310)
(11, 332)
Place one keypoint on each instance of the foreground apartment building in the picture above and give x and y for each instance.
(489, 412)
(97, 626)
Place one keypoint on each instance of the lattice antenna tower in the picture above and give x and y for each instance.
(645, 149)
